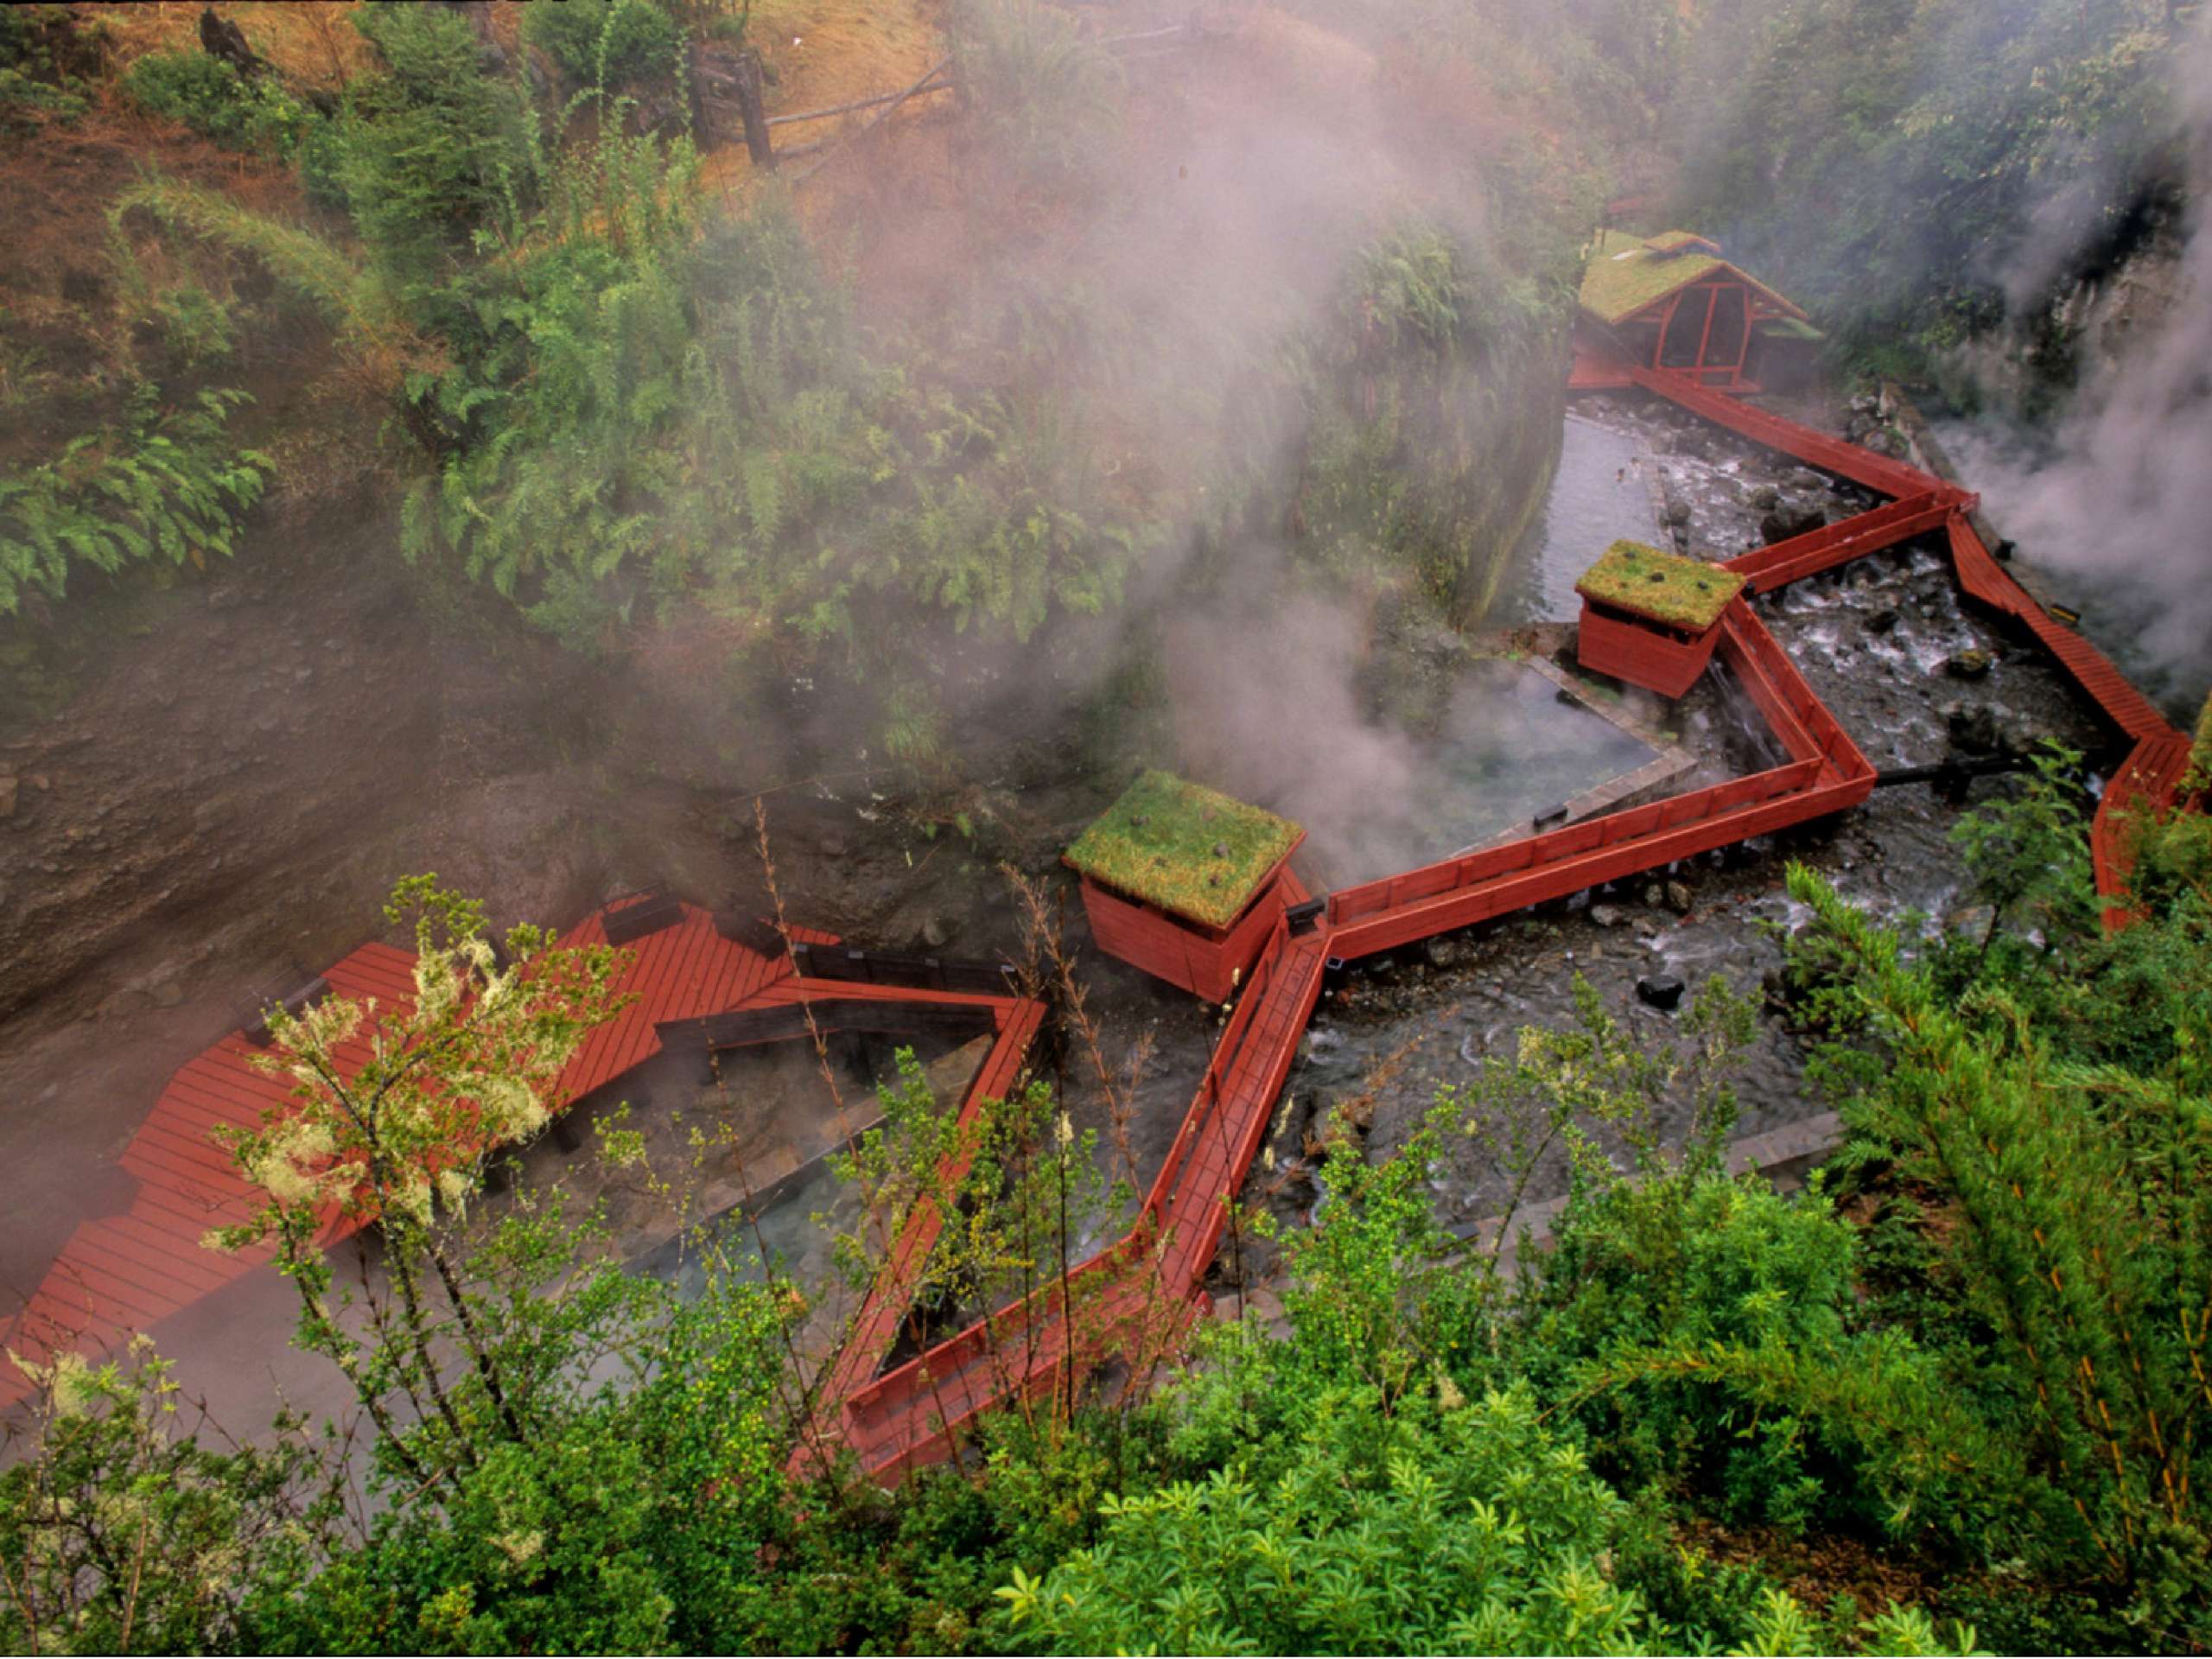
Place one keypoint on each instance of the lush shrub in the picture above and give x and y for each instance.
(431, 149)
(246, 112)
(169, 487)
(610, 43)
(1049, 94)
(22, 99)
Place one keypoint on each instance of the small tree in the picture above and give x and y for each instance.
(393, 1114)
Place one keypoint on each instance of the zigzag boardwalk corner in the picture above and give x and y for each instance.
(126, 1273)
(1136, 1297)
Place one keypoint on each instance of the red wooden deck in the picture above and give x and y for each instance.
(1138, 1294)
(126, 1273)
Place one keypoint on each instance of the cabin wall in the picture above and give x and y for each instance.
(1206, 964)
(1648, 654)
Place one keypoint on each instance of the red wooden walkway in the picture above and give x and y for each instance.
(1136, 1296)
(125, 1272)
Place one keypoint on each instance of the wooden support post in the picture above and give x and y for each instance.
(752, 104)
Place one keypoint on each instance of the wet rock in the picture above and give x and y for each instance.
(1677, 512)
(1969, 664)
(1882, 621)
(938, 932)
(1972, 731)
(1221, 849)
(1766, 498)
(1607, 915)
(1789, 519)
(1660, 991)
(1441, 952)
(1678, 897)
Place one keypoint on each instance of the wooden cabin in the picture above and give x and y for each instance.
(1673, 302)
(1652, 618)
(1183, 882)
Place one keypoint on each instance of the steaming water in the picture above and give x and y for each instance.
(1600, 494)
(1512, 748)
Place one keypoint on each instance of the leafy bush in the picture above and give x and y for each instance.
(169, 487)
(432, 150)
(123, 1534)
(210, 96)
(610, 43)
(20, 98)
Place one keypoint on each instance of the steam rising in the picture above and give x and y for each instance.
(2124, 501)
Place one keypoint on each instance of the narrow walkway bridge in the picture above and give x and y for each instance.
(1135, 1299)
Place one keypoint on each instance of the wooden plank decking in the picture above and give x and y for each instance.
(126, 1273)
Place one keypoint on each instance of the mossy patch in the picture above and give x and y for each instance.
(1664, 587)
(1190, 850)
(1627, 273)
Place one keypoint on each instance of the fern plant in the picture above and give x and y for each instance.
(168, 487)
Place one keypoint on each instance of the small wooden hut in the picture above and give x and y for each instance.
(1673, 302)
(1650, 618)
(1183, 882)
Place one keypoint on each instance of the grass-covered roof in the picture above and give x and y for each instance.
(1189, 849)
(1665, 587)
(1627, 273)
(2204, 747)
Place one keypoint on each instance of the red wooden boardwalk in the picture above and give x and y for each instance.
(126, 1273)
(1137, 1295)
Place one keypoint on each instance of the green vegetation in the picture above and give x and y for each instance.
(614, 43)
(1963, 1371)
(1665, 587)
(170, 485)
(1189, 849)
(237, 111)
(1910, 173)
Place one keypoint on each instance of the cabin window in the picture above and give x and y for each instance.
(1724, 344)
(1686, 330)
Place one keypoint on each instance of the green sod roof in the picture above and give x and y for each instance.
(2203, 752)
(1626, 274)
(1789, 328)
(1664, 587)
(1190, 850)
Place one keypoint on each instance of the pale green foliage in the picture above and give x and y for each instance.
(354, 300)
(1466, 1528)
(170, 487)
(401, 1134)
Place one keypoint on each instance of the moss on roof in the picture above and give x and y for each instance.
(1626, 273)
(1190, 850)
(1681, 593)
(2203, 751)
